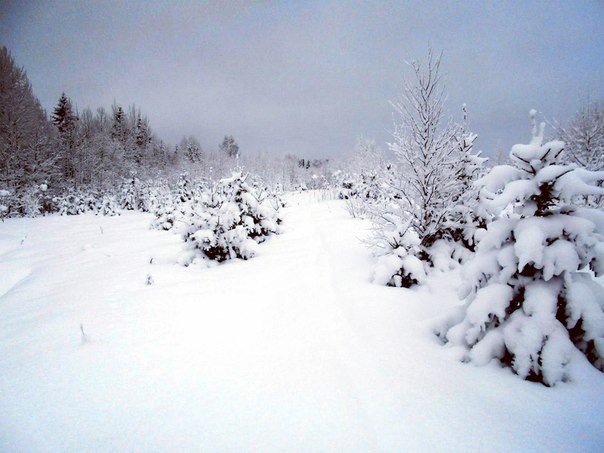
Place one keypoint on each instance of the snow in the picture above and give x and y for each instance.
(576, 183)
(492, 299)
(294, 349)
(530, 239)
(498, 177)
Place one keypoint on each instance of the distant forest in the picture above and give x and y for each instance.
(97, 150)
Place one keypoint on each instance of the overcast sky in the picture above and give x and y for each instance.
(308, 77)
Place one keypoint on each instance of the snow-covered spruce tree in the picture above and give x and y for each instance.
(176, 207)
(529, 302)
(4, 203)
(119, 127)
(184, 189)
(166, 215)
(229, 147)
(74, 202)
(132, 195)
(168, 208)
(142, 139)
(260, 208)
(192, 149)
(229, 221)
(424, 184)
(107, 205)
(64, 118)
(467, 217)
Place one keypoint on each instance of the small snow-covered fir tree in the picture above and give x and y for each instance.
(130, 196)
(73, 202)
(216, 225)
(259, 209)
(229, 147)
(228, 220)
(107, 205)
(530, 299)
(4, 203)
(166, 216)
(192, 149)
(184, 189)
(466, 216)
(398, 246)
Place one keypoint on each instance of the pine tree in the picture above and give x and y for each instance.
(229, 147)
(191, 149)
(529, 302)
(66, 121)
(64, 118)
(142, 139)
(119, 128)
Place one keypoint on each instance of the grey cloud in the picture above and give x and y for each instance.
(308, 77)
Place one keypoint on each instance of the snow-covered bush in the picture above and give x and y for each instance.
(79, 201)
(156, 195)
(4, 202)
(229, 220)
(398, 248)
(29, 204)
(167, 214)
(107, 206)
(530, 298)
(129, 196)
(75, 202)
(184, 189)
(259, 207)
(29, 201)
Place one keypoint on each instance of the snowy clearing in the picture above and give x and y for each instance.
(295, 349)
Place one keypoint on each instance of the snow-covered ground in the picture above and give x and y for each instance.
(294, 350)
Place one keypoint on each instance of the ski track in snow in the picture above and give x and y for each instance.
(294, 350)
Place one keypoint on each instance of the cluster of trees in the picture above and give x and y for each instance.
(529, 234)
(96, 149)
(47, 160)
(43, 157)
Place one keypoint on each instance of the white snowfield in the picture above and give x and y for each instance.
(294, 350)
